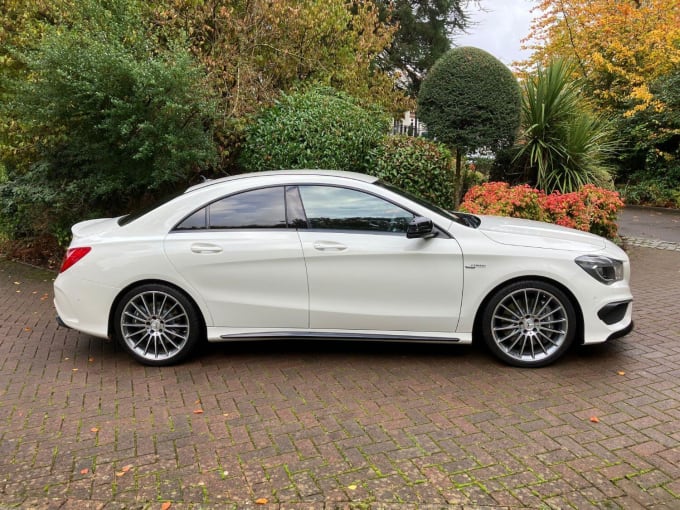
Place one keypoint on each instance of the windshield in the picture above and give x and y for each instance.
(466, 219)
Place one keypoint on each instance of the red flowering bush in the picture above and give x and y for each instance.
(590, 209)
(499, 199)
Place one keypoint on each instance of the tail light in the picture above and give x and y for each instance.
(72, 256)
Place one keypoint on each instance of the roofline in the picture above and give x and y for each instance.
(320, 172)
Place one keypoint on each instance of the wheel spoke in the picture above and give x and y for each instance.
(529, 324)
(155, 325)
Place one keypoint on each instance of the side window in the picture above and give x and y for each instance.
(260, 208)
(334, 208)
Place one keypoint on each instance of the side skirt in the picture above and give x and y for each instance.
(380, 337)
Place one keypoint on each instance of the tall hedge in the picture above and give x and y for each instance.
(319, 128)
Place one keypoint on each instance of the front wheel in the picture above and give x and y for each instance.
(157, 324)
(529, 323)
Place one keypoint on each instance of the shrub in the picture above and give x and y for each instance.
(415, 165)
(320, 128)
(499, 199)
(108, 119)
(590, 209)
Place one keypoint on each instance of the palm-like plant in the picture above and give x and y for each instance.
(564, 145)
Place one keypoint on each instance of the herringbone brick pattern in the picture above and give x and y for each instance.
(339, 425)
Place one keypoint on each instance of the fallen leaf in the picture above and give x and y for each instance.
(198, 411)
(94, 429)
(27, 329)
(84, 471)
(261, 501)
(352, 487)
(621, 372)
(594, 419)
(166, 505)
(124, 470)
(74, 369)
(198, 401)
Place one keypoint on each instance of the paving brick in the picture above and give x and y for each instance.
(339, 425)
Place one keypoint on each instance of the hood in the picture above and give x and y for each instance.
(536, 234)
(93, 227)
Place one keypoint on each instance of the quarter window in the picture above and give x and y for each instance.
(260, 208)
(333, 208)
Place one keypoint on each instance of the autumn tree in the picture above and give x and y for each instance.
(255, 49)
(625, 51)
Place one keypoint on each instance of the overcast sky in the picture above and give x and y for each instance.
(498, 28)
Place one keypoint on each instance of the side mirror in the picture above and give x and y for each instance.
(420, 227)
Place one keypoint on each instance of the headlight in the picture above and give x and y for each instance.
(603, 269)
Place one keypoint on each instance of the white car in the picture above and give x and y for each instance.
(324, 254)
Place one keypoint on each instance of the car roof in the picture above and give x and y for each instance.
(326, 173)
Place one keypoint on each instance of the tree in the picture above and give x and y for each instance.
(424, 31)
(624, 49)
(469, 101)
(563, 144)
(320, 128)
(620, 46)
(256, 49)
(110, 119)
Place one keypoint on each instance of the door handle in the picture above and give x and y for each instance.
(329, 246)
(205, 248)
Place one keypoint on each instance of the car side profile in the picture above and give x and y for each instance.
(326, 254)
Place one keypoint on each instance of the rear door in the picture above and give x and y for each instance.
(238, 253)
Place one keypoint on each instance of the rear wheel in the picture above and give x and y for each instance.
(157, 324)
(529, 323)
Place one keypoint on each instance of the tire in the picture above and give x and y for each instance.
(157, 324)
(529, 323)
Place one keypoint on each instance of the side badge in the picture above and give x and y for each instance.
(475, 266)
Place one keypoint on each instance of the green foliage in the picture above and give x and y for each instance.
(650, 193)
(319, 128)
(422, 36)
(564, 145)
(590, 209)
(110, 116)
(418, 166)
(470, 100)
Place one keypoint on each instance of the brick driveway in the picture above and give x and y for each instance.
(339, 425)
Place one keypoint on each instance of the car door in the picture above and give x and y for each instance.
(363, 272)
(238, 253)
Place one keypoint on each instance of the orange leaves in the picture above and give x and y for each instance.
(166, 505)
(124, 470)
(594, 419)
(621, 47)
(261, 501)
